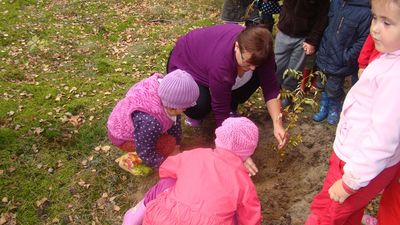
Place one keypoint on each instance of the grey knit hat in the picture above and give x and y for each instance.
(178, 90)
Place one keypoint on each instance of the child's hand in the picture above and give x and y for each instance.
(250, 166)
(337, 193)
(308, 49)
(360, 71)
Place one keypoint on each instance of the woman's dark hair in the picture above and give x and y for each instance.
(257, 40)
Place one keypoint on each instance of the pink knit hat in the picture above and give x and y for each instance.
(178, 90)
(238, 135)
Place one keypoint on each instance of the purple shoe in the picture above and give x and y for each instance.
(192, 122)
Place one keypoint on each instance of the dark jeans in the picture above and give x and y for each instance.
(238, 96)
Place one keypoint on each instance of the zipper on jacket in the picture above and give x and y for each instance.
(341, 19)
(340, 25)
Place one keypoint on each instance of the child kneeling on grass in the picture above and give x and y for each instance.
(367, 145)
(205, 186)
(148, 119)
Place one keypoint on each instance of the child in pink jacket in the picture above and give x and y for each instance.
(212, 185)
(366, 152)
(150, 109)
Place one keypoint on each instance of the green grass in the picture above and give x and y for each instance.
(64, 59)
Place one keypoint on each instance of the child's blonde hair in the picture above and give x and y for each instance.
(397, 2)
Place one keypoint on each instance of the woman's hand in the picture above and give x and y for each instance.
(280, 133)
(274, 109)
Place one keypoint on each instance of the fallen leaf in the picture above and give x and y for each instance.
(58, 98)
(116, 208)
(8, 218)
(40, 202)
(37, 130)
(84, 162)
(11, 169)
(59, 164)
(106, 148)
(75, 120)
(35, 148)
(81, 183)
(3, 219)
(73, 89)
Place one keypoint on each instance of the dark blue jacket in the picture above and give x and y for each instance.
(343, 38)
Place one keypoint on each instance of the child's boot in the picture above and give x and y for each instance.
(323, 108)
(334, 111)
(285, 102)
(135, 215)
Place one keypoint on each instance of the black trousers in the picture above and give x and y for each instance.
(238, 96)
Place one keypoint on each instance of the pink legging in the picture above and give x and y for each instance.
(162, 185)
(324, 211)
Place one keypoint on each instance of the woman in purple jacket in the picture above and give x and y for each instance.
(229, 62)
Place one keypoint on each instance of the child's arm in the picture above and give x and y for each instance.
(170, 166)
(366, 52)
(350, 55)
(146, 133)
(314, 37)
(176, 131)
(382, 137)
(249, 210)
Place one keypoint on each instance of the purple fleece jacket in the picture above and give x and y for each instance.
(208, 55)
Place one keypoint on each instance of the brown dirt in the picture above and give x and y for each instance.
(285, 185)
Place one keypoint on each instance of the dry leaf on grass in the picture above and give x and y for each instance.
(40, 202)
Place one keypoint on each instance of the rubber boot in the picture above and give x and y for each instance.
(335, 107)
(285, 102)
(135, 215)
(323, 108)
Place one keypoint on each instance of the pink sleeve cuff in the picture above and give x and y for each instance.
(348, 189)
